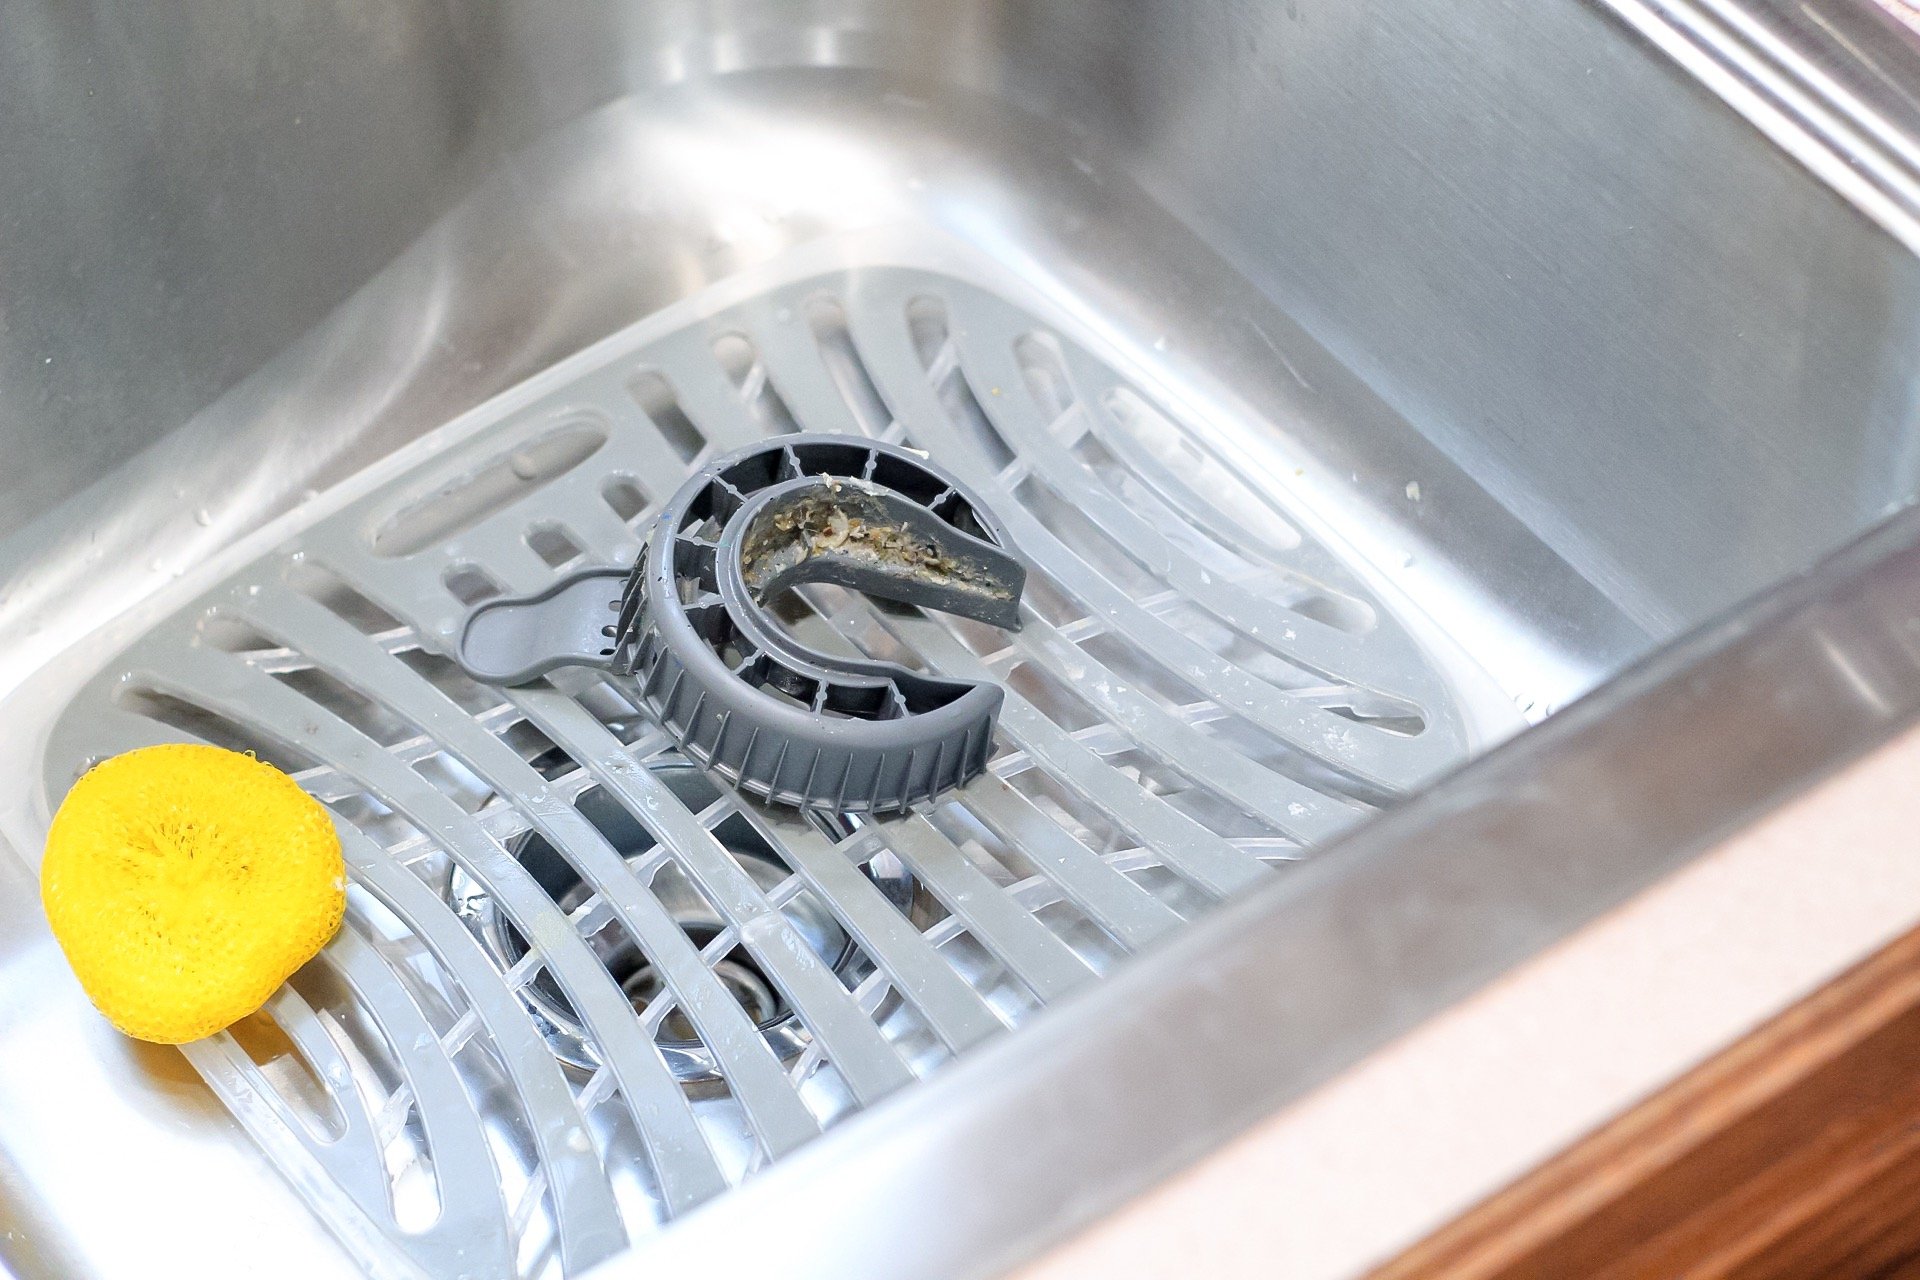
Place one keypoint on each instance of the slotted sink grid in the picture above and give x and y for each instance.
(1200, 693)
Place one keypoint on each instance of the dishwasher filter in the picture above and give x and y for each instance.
(584, 987)
(688, 622)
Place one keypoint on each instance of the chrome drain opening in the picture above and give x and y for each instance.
(737, 972)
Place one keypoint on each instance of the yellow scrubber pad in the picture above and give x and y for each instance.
(186, 883)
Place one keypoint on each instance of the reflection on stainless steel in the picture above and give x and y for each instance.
(1517, 301)
(1828, 80)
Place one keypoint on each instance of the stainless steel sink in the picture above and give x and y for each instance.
(1365, 384)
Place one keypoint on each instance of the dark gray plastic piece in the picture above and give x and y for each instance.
(739, 694)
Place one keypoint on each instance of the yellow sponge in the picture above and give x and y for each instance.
(186, 883)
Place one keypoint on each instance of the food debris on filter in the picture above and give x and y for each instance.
(826, 526)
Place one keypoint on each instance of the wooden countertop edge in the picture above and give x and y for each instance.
(1796, 1152)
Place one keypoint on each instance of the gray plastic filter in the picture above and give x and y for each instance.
(739, 694)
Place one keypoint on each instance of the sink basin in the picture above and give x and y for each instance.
(1461, 454)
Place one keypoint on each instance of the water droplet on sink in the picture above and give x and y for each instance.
(202, 517)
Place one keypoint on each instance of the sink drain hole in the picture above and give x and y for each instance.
(640, 980)
(737, 972)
